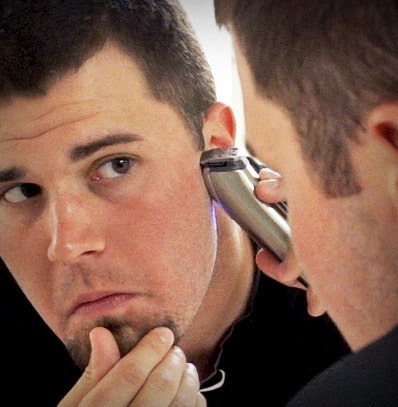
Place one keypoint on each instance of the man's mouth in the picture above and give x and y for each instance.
(100, 304)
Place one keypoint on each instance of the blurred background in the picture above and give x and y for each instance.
(217, 45)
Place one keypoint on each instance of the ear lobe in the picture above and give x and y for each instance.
(219, 126)
(382, 122)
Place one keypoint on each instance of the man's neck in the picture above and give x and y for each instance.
(226, 298)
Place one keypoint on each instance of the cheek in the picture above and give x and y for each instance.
(170, 224)
(306, 234)
(318, 236)
(311, 218)
(171, 240)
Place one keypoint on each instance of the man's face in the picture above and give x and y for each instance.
(104, 216)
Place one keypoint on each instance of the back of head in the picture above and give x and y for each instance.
(42, 40)
(327, 63)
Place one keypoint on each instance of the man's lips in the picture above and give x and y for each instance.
(100, 304)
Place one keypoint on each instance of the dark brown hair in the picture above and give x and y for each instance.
(41, 40)
(326, 63)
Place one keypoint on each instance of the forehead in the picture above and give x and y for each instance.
(108, 81)
(107, 96)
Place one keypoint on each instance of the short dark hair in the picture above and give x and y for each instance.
(41, 40)
(326, 63)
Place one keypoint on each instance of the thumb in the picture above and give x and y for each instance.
(104, 355)
(269, 187)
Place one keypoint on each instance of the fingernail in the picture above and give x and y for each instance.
(178, 351)
(267, 173)
(191, 368)
(165, 334)
(273, 183)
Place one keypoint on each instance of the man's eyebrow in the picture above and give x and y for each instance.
(11, 174)
(83, 151)
(77, 153)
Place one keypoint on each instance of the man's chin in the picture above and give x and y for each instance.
(126, 337)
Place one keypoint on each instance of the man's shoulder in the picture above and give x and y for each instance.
(367, 377)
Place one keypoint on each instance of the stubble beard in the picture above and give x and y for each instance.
(126, 335)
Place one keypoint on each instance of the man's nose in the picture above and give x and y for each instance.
(74, 229)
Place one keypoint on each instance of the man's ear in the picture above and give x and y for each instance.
(381, 126)
(219, 126)
(382, 122)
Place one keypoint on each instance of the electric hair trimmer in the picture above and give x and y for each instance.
(230, 177)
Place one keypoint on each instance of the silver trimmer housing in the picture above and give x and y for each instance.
(230, 177)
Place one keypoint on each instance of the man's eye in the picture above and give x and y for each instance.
(114, 168)
(21, 193)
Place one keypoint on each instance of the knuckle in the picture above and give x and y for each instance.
(166, 380)
(135, 373)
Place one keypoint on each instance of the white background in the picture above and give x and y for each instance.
(217, 46)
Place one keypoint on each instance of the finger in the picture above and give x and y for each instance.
(188, 390)
(200, 400)
(163, 383)
(267, 262)
(268, 189)
(268, 173)
(104, 355)
(105, 352)
(286, 272)
(122, 383)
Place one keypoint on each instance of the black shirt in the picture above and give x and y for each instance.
(366, 378)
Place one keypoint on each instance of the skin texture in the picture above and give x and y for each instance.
(346, 247)
(101, 228)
